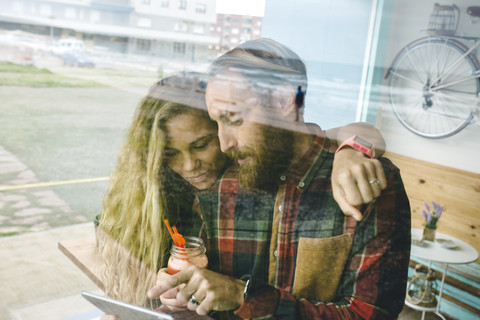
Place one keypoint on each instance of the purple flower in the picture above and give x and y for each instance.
(439, 212)
(437, 209)
(432, 215)
(426, 206)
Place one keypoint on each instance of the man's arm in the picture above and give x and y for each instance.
(362, 129)
(374, 280)
(356, 179)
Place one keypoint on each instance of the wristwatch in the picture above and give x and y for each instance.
(246, 278)
(359, 144)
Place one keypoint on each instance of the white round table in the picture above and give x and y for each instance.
(433, 251)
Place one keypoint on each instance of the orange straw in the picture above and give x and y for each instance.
(177, 238)
(169, 229)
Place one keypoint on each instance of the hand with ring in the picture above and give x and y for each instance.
(201, 290)
(375, 182)
(356, 180)
(194, 300)
(168, 296)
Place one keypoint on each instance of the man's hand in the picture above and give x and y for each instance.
(356, 179)
(169, 299)
(214, 291)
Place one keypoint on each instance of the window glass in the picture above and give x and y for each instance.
(334, 60)
(179, 48)
(181, 26)
(200, 7)
(144, 45)
(182, 4)
(422, 44)
(73, 72)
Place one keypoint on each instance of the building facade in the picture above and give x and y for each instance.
(174, 29)
(232, 30)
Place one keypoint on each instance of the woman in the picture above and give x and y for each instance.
(172, 150)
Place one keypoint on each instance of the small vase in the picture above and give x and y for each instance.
(429, 234)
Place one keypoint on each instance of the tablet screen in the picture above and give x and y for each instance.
(124, 311)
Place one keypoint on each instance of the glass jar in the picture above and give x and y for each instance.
(420, 289)
(193, 252)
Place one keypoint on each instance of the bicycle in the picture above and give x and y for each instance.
(434, 81)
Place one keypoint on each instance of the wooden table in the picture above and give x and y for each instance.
(83, 253)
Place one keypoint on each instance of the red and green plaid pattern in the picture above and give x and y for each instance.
(239, 226)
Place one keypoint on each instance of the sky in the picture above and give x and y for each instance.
(243, 7)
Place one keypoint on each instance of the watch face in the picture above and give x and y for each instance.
(363, 142)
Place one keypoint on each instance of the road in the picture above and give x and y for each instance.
(58, 134)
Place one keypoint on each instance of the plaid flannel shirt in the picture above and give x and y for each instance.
(257, 234)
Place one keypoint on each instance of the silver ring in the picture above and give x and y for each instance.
(194, 301)
(375, 181)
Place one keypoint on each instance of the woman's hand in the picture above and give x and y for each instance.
(170, 301)
(211, 290)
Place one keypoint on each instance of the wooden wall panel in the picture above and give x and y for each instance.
(458, 191)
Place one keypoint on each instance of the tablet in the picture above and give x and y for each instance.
(124, 311)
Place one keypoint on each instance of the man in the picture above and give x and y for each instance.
(299, 97)
(281, 245)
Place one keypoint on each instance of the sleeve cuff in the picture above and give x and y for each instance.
(261, 299)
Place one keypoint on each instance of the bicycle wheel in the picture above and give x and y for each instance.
(434, 87)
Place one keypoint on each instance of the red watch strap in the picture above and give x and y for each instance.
(359, 144)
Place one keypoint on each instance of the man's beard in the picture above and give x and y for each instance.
(272, 153)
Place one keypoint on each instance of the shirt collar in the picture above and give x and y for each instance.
(302, 172)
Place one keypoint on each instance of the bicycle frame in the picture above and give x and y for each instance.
(447, 92)
(455, 64)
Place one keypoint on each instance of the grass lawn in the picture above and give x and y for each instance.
(62, 123)
(30, 76)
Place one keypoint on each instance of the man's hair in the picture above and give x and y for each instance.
(265, 64)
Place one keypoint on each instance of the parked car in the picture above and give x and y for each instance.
(18, 48)
(65, 45)
(78, 59)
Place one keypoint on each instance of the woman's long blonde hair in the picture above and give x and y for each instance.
(133, 240)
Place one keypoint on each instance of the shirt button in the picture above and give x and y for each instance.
(301, 184)
(280, 207)
(275, 253)
(283, 178)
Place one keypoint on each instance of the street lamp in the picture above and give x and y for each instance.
(51, 27)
